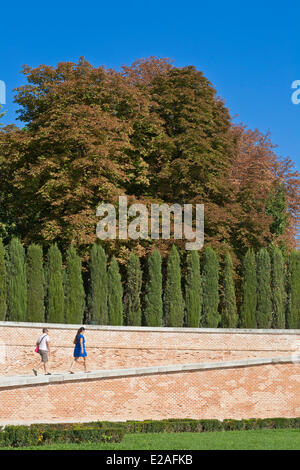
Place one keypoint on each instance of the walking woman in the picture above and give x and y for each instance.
(79, 350)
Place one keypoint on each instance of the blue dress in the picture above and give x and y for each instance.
(77, 349)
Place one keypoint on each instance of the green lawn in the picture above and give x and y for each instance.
(271, 439)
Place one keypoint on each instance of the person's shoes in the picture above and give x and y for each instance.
(48, 373)
(71, 372)
(34, 371)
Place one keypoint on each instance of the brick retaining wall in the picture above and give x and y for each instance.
(226, 391)
(115, 347)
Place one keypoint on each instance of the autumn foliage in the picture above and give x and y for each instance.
(152, 131)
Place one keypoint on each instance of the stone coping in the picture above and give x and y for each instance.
(147, 329)
(19, 381)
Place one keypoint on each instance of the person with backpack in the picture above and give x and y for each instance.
(79, 350)
(43, 349)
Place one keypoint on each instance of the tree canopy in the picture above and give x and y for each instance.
(152, 131)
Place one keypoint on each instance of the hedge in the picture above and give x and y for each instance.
(104, 431)
(24, 436)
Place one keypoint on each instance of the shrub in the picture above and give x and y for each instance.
(3, 282)
(232, 425)
(133, 312)
(249, 295)
(115, 294)
(35, 284)
(20, 436)
(153, 298)
(173, 300)
(16, 282)
(193, 290)
(98, 288)
(264, 301)
(229, 317)
(54, 282)
(74, 290)
(104, 431)
(210, 280)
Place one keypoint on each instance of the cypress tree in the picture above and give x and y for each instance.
(263, 276)
(293, 291)
(249, 294)
(193, 290)
(210, 280)
(133, 310)
(229, 317)
(3, 282)
(35, 284)
(17, 284)
(54, 282)
(98, 290)
(278, 288)
(153, 296)
(74, 290)
(173, 299)
(115, 294)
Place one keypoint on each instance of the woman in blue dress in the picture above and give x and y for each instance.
(79, 350)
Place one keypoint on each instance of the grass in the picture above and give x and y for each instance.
(270, 439)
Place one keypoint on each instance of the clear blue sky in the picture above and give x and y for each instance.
(248, 50)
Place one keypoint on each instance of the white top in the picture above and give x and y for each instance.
(42, 344)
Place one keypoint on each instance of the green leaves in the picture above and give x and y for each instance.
(210, 280)
(249, 291)
(98, 287)
(55, 312)
(133, 312)
(193, 290)
(173, 300)
(17, 282)
(153, 311)
(74, 289)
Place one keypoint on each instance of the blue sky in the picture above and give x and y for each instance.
(249, 51)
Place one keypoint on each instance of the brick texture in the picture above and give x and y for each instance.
(113, 349)
(271, 390)
(253, 392)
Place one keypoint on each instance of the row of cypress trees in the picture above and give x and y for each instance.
(34, 291)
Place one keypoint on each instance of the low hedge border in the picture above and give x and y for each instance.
(207, 425)
(105, 431)
(24, 436)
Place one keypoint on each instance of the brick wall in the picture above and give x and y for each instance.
(118, 347)
(270, 390)
(251, 392)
